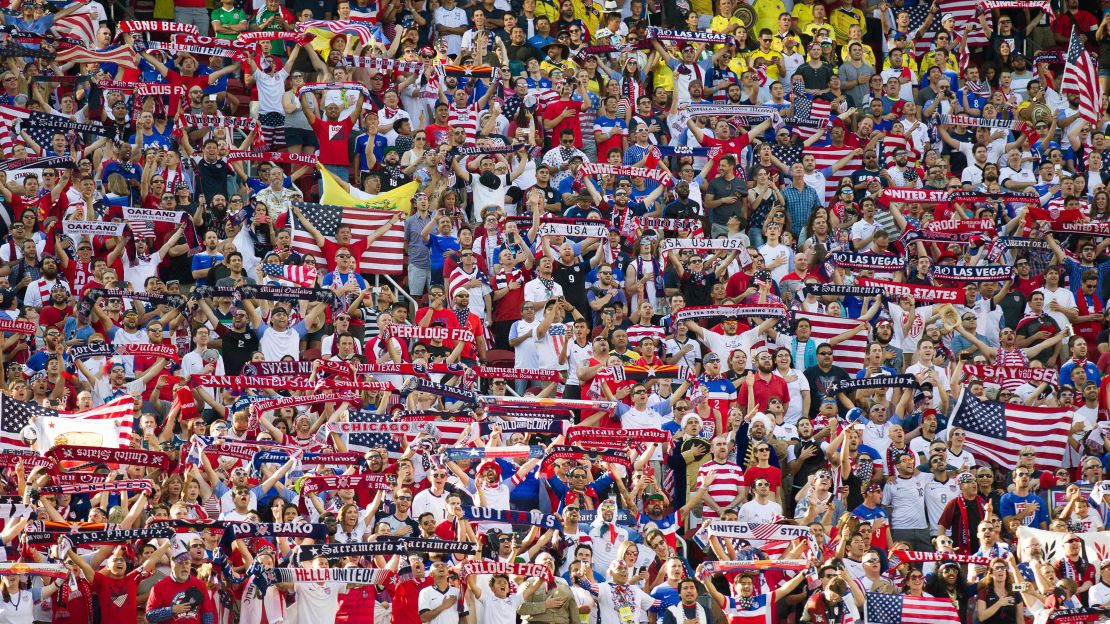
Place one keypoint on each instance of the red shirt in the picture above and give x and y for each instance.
(174, 78)
(166, 590)
(733, 146)
(405, 597)
(53, 317)
(332, 136)
(572, 123)
(356, 604)
(436, 135)
(357, 248)
(764, 390)
(117, 596)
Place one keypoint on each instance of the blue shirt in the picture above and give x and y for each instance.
(799, 205)
(203, 261)
(1011, 505)
(436, 246)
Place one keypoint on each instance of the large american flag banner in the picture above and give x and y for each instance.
(826, 157)
(900, 609)
(997, 431)
(849, 354)
(78, 24)
(386, 255)
(1081, 78)
(15, 415)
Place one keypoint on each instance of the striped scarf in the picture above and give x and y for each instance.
(384, 64)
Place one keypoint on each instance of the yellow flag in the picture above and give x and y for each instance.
(322, 42)
(334, 194)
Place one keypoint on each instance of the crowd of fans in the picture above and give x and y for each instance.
(714, 312)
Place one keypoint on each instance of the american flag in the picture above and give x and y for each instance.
(363, 442)
(120, 56)
(291, 274)
(386, 255)
(963, 11)
(788, 154)
(1081, 78)
(805, 108)
(892, 143)
(15, 415)
(997, 431)
(899, 609)
(826, 157)
(78, 24)
(9, 116)
(560, 333)
(850, 353)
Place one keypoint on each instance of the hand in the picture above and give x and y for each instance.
(553, 602)
(179, 609)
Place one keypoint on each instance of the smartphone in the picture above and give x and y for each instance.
(649, 472)
(1020, 587)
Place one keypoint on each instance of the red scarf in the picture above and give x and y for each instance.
(963, 546)
(1089, 330)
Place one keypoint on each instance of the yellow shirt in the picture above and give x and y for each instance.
(772, 62)
(548, 9)
(566, 66)
(868, 54)
(767, 15)
(803, 13)
(929, 59)
(739, 64)
(907, 61)
(664, 77)
(842, 20)
(702, 7)
(720, 23)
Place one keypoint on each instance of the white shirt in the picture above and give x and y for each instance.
(773, 253)
(906, 497)
(452, 18)
(426, 502)
(536, 292)
(610, 608)
(527, 355)
(1062, 296)
(317, 603)
(498, 610)
(759, 513)
(937, 495)
(941, 374)
(276, 344)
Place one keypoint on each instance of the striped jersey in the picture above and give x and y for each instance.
(726, 485)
